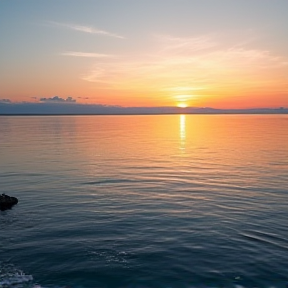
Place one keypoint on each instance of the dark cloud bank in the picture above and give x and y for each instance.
(57, 99)
(59, 106)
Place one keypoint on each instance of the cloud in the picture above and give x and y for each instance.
(177, 45)
(180, 89)
(188, 65)
(86, 54)
(87, 29)
(57, 99)
(5, 101)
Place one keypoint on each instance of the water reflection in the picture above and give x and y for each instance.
(182, 130)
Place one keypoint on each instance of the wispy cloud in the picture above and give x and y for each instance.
(191, 72)
(86, 54)
(192, 66)
(184, 45)
(87, 29)
(181, 89)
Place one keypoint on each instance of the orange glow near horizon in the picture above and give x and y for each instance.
(233, 78)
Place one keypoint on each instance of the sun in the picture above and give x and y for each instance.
(182, 105)
(182, 100)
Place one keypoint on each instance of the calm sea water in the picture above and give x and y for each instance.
(145, 201)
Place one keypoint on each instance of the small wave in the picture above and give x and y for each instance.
(107, 181)
(265, 238)
(110, 256)
(11, 277)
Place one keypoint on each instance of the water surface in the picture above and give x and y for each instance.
(144, 201)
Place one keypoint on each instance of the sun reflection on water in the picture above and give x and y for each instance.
(182, 130)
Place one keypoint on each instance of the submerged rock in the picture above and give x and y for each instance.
(6, 202)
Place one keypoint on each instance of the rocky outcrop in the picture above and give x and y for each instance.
(6, 202)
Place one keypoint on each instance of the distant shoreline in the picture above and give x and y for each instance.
(143, 114)
(50, 109)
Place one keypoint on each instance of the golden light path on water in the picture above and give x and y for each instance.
(182, 130)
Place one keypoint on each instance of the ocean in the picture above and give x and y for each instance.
(144, 201)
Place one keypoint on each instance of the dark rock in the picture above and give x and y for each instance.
(6, 202)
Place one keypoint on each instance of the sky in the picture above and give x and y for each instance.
(145, 53)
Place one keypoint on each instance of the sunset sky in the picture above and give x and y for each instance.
(202, 53)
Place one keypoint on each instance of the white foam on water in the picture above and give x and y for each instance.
(16, 279)
(13, 277)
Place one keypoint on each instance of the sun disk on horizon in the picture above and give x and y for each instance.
(182, 105)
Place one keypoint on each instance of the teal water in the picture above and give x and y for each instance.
(144, 201)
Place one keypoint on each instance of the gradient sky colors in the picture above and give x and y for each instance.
(216, 53)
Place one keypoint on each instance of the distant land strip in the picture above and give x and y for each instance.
(25, 108)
